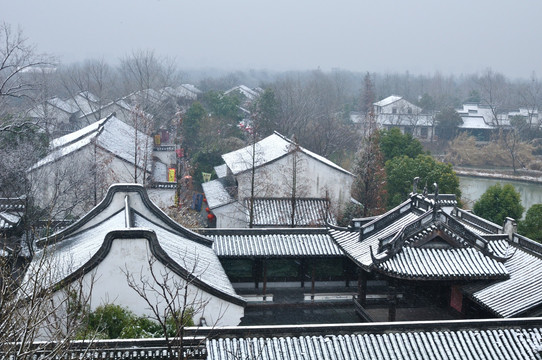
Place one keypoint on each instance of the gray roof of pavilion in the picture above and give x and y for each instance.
(383, 226)
(483, 339)
(276, 212)
(79, 248)
(250, 243)
(482, 252)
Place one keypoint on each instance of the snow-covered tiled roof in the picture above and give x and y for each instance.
(513, 296)
(389, 100)
(111, 134)
(266, 150)
(127, 213)
(245, 91)
(221, 170)
(360, 251)
(273, 243)
(405, 120)
(474, 122)
(63, 105)
(16, 204)
(191, 87)
(8, 220)
(278, 212)
(76, 135)
(459, 263)
(436, 341)
(466, 247)
(218, 192)
(197, 258)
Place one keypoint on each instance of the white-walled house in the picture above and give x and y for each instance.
(394, 111)
(277, 162)
(80, 166)
(127, 237)
(481, 121)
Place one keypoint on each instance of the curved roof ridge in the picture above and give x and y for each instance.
(107, 201)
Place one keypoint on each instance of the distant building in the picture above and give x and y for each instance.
(396, 112)
(481, 121)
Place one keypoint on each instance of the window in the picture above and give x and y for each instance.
(409, 110)
(394, 110)
(423, 133)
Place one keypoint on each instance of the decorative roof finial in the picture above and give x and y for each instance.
(415, 185)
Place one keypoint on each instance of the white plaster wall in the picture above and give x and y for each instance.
(132, 256)
(66, 185)
(231, 216)
(167, 157)
(313, 178)
(401, 106)
(70, 184)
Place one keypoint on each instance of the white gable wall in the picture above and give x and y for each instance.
(400, 107)
(71, 185)
(313, 179)
(109, 285)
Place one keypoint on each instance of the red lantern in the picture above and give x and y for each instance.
(207, 209)
(204, 200)
(210, 217)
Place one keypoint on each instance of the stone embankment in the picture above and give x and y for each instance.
(503, 174)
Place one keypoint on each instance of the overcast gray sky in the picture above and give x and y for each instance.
(421, 36)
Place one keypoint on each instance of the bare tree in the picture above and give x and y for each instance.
(37, 319)
(173, 301)
(531, 97)
(90, 86)
(17, 60)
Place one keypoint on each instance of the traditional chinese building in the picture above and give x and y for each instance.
(125, 244)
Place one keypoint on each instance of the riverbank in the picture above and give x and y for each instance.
(530, 176)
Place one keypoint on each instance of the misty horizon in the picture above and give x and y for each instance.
(421, 37)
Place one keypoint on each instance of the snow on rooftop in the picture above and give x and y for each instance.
(387, 101)
(216, 193)
(63, 105)
(76, 135)
(62, 151)
(266, 150)
(120, 139)
(110, 133)
(221, 170)
(244, 90)
(474, 122)
(192, 88)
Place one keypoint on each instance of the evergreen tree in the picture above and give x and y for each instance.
(402, 170)
(393, 143)
(499, 202)
(532, 225)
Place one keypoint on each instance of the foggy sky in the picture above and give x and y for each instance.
(419, 36)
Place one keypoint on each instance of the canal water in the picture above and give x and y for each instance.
(473, 187)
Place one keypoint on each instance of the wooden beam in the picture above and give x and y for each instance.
(392, 300)
(362, 287)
